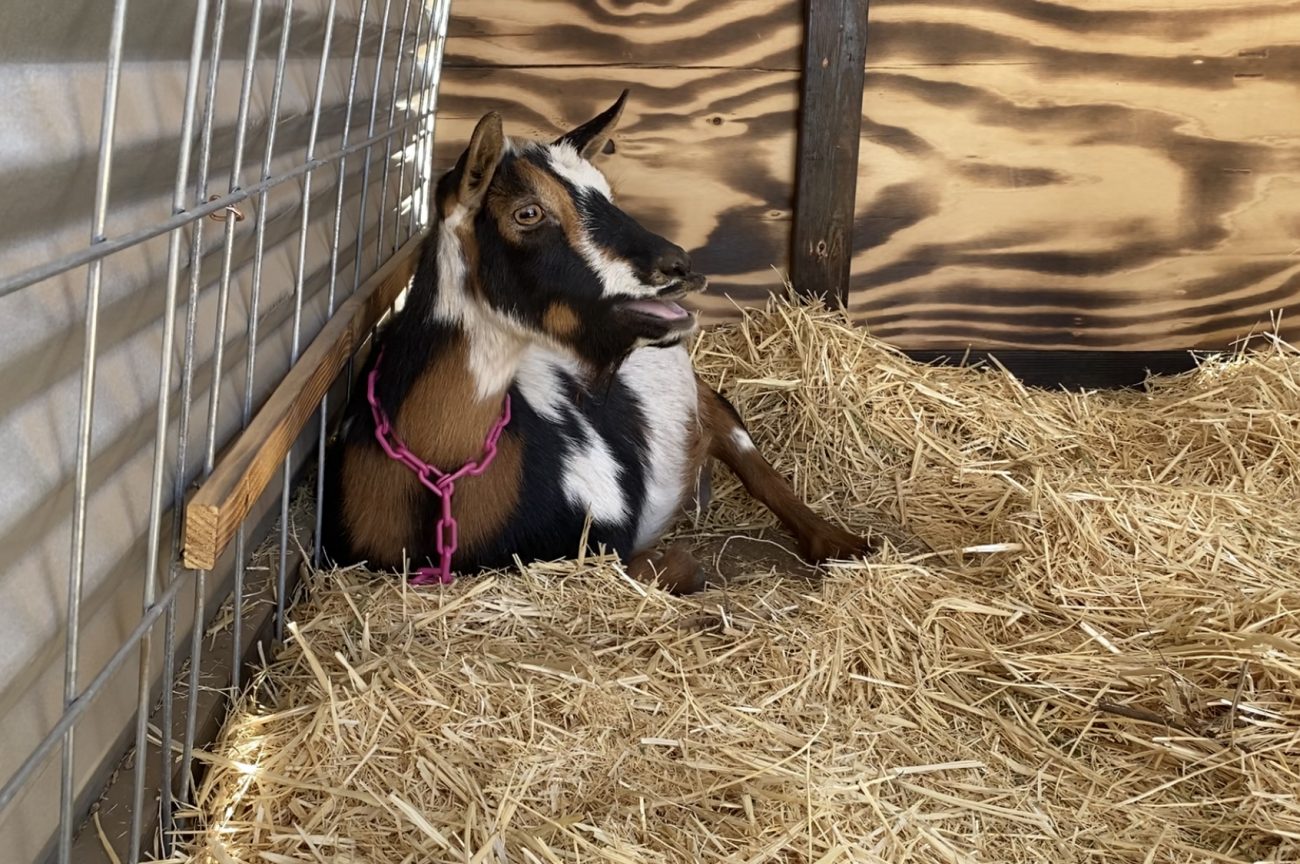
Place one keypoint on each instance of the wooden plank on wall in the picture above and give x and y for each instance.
(830, 123)
(761, 35)
(222, 501)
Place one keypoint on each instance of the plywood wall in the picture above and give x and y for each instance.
(1117, 174)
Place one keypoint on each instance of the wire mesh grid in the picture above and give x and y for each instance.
(383, 58)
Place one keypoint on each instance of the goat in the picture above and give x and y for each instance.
(541, 307)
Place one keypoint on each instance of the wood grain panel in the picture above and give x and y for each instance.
(1115, 175)
(1100, 174)
(764, 35)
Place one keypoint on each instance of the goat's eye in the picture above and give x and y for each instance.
(529, 215)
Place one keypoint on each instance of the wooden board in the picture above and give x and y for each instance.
(1076, 174)
(830, 127)
(221, 502)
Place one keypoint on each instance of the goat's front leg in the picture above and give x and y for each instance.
(729, 441)
(673, 565)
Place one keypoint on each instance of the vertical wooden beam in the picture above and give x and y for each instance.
(830, 123)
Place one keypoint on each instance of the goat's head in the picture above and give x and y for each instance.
(531, 234)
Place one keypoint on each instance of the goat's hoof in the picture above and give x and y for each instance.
(673, 566)
(835, 544)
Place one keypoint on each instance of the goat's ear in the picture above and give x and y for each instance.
(588, 138)
(480, 160)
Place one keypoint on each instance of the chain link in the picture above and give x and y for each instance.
(437, 481)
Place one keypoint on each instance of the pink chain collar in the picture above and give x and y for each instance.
(438, 482)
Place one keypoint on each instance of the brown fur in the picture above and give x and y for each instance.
(379, 504)
(561, 321)
(481, 505)
(697, 448)
(673, 566)
(818, 539)
(444, 390)
(550, 195)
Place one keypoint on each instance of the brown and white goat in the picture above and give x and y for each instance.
(534, 287)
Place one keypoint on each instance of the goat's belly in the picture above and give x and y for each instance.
(663, 383)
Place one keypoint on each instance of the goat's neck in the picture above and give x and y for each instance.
(489, 353)
(492, 348)
(456, 397)
(469, 359)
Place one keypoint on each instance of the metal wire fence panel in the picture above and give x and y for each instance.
(192, 187)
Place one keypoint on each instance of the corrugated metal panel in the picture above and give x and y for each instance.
(53, 74)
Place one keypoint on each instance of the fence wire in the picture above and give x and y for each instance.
(406, 63)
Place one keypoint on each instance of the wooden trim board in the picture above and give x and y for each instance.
(227, 496)
(830, 128)
(1071, 370)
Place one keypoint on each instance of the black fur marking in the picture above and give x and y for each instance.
(546, 525)
(524, 279)
(625, 238)
(586, 134)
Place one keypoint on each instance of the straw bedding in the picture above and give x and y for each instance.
(1084, 647)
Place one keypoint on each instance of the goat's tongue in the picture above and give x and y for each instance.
(666, 309)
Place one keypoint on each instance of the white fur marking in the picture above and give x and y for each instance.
(566, 162)
(494, 353)
(615, 275)
(496, 344)
(664, 384)
(451, 268)
(538, 379)
(592, 478)
(741, 439)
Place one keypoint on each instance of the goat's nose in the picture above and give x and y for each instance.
(673, 262)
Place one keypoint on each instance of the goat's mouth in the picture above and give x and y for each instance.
(667, 311)
(664, 306)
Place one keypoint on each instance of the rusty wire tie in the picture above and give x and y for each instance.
(220, 215)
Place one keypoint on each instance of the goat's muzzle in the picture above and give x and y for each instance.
(663, 308)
